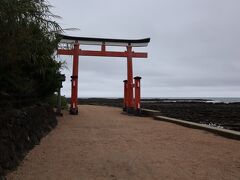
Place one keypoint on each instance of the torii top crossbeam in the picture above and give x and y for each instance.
(103, 42)
(107, 42)
(74, 50)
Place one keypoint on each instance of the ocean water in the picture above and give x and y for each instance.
(225, 99)
(198, 99)
(184, 99)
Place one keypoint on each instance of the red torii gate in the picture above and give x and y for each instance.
(69, 45)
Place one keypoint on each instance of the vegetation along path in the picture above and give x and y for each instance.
(103, 143)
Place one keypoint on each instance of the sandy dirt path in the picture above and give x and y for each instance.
(103, 143)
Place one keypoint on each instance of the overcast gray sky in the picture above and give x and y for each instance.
(194, 49)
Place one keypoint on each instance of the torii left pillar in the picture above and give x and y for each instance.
(74, 96)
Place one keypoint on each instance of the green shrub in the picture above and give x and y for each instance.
(28, 69)
(53, 101)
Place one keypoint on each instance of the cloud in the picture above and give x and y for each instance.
(194, 48)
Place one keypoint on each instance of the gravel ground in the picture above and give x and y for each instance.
(103, 143)
(226, 115)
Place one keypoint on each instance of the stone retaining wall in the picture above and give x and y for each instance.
(20, 131)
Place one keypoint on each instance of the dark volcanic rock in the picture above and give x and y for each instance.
(219, 114)
(20, 130)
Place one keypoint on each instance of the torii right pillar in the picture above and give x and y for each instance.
(130, 103)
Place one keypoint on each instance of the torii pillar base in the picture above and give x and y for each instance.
(131, 110)
(138, 112)
(73, 111)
